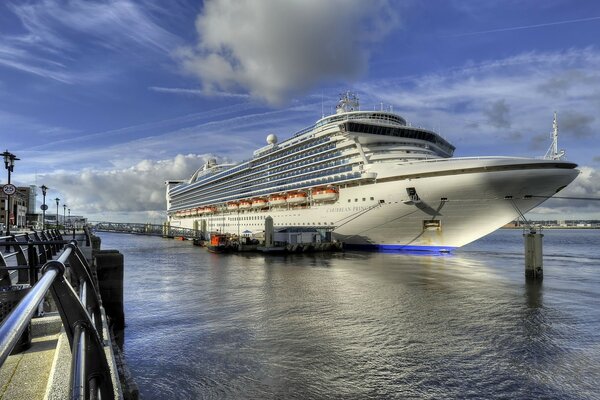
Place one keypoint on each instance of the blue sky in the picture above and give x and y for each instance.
(104, 100)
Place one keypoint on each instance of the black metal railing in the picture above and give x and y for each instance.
(79, 307)
(29, 250)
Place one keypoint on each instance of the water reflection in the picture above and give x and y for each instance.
(357, 325)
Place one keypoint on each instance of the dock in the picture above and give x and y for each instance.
(47, 349)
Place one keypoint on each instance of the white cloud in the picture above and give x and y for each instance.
(276, 48)
(505, 106)
(58, 34)
(138, 189)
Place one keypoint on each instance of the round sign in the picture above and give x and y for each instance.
(9, 189)
(44, 207)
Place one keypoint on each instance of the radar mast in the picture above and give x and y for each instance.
(348, 102)
(553, 153)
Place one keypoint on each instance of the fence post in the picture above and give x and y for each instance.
(32, 260)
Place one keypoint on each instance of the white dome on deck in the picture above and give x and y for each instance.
(272, 139)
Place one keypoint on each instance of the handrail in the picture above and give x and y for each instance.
(16, 322)
(82, 320)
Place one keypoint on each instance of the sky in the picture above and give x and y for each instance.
(103, 101)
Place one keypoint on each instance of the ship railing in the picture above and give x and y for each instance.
(80, 310)
(452, 159)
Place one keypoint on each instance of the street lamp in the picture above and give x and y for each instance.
(69, 211)
(9, 164)
(64, 216)
(44, 206)
(57, 200)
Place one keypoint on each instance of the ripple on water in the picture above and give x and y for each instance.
(363, 325)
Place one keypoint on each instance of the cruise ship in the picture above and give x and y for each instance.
(370, 180)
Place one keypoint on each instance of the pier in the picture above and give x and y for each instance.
(58, 339)
(164, 230)
(282, 240)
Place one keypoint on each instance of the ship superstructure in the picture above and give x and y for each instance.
(370, 179)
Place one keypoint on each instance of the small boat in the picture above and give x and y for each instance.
(259, 203)
(296, 198)
(233, 206)
(324, 194)
(219, 243)
(277, 200)
(245, 204)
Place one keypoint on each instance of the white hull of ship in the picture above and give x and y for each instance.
(453, 209)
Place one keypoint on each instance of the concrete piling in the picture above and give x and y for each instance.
(109, 269)
(269, 231)
(534, 263)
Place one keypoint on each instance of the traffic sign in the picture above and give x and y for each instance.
(44, 207)
(9, 189)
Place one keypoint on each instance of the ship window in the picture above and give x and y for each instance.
(355, 200)
(364, 199)
(372, 198)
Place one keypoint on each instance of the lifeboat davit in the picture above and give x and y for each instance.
(245, 204)
(211, 209)
(259, 203)
(277, 200)
(296, 198)
(233, 206)
(324, 194)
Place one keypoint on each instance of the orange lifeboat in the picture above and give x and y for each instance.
(245, 204)
(259, 202)
(296, 198)
(211, 209)
(324, 194)
(232, 206)
(277, 200)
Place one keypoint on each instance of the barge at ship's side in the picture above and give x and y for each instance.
(370, 179)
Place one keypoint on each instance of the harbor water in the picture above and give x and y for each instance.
(360, 325)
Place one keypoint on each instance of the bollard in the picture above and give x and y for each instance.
(534, 263)
(96, 242)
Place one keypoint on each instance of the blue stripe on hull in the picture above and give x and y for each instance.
(400, 248)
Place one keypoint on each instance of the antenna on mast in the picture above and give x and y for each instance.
(553, 153)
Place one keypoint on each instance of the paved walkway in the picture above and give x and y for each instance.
(25, 375)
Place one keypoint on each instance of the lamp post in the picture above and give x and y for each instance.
(69, 211)
(44, 206)
(64, 216)
(57, 200)
(9, 164)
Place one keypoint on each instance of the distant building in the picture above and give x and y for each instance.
(19, 206)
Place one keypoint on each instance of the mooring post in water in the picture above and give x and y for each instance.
(269, 232)
(534, 263)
